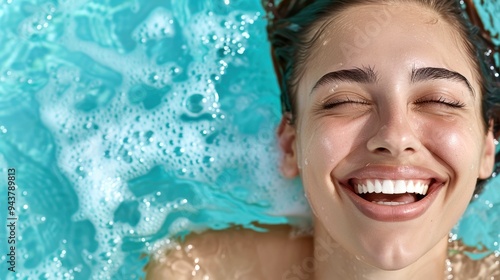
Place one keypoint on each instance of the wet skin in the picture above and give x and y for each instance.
(403, 105)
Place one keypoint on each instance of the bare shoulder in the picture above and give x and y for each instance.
(233, 254)
(486, 265)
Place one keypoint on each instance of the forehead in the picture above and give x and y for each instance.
(399, 36)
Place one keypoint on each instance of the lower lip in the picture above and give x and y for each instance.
(390, 213)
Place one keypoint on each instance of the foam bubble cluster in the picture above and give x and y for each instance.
(163, 119)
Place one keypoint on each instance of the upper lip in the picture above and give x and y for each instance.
(398, 212)
(388, 172)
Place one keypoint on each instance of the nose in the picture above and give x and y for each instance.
(394, 135)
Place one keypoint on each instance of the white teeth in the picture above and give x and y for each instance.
(392, 203)
(392, 187)
(387, 186)
(410, 187)
(378, 186)
(418, 188)
(400, 186)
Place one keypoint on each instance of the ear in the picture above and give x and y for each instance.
(488, 157)
(286, 139)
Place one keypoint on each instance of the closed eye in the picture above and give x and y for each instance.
(342, 102)
(441, 101)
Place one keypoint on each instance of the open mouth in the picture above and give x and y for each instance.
(380, 194)
(391, 192)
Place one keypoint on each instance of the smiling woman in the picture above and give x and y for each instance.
(413, 126)
(388, 119)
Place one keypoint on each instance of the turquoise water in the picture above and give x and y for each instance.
(131, 122)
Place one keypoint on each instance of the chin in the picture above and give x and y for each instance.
(393, 263)
(393, 256)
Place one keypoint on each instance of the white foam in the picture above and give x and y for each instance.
(157, 26)
(124, 131)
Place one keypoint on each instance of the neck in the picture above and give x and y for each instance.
(334, 262)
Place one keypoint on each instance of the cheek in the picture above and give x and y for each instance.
(457, 145)
(447, 143)
(322, 145)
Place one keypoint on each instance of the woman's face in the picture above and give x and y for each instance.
(388, 106)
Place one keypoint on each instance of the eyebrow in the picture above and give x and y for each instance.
(432, 73)
(366, 75)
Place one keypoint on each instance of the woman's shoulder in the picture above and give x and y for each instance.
(247, 254)
(471, 263)
(233, 254)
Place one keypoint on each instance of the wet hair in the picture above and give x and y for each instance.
(295, 25)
